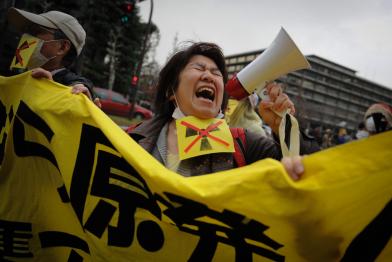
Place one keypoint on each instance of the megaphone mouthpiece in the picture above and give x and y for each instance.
(235, 89)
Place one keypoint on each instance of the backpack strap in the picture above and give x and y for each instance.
(131, 127)
(239, 145)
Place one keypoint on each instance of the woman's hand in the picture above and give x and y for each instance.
(294, 166)
(278, 102)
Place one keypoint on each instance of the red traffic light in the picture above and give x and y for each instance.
(134, 80)
(127, 7)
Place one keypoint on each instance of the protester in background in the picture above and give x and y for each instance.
(343, 137)
(61, 41)
(361, 132)
(317, 133)
(327, 139)
(378, 118)
(245, 116)
(192, 84)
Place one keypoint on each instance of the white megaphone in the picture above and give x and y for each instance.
(280, 58)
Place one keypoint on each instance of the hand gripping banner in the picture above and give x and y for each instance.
(75, 187)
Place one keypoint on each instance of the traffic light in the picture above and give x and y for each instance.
(127, 8)
(124, 19)
(134, 81)
(133, 87)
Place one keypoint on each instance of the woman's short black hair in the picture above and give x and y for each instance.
(169, 75)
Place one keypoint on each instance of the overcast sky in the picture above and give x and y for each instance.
(353, 33)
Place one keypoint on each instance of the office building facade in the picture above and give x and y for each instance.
(327, 95)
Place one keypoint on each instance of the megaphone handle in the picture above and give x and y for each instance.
(293, 148)
(262, 92)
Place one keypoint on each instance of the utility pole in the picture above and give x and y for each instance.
(140, 64)
(113, 54)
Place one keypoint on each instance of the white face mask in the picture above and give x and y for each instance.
(177, 113)
(220, 115)
(370, 125)
(37, 59)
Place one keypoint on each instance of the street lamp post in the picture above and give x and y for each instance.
(140, 64)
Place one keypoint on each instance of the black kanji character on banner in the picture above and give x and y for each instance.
(186, 213)
(370, 242)
(112, 178)
(14, 240)
(24, 148)
(50, 239)
(26, 118)
(3, 123)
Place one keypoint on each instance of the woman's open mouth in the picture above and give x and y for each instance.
(206, 93)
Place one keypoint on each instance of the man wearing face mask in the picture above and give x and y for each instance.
(61, 40)
(378, 118)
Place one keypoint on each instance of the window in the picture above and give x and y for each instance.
(318, 97)
(239, 67)
(250, 58)
(332, 92)
(354, 108)
(330, 101)
(119, 98)
(233, 60)
(320, 88)
(292, 89)
(292, 80)
(307, 94)
(342, 104)
(308, 84)
(101, 93)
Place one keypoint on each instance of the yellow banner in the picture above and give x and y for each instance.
(74, 186)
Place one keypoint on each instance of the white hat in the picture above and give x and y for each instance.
(53, 19)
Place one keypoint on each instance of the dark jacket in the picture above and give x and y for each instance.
(257, 147)
(69, 78)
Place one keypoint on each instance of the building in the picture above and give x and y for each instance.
(327, 95)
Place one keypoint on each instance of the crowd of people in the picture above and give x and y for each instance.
(377, 119)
